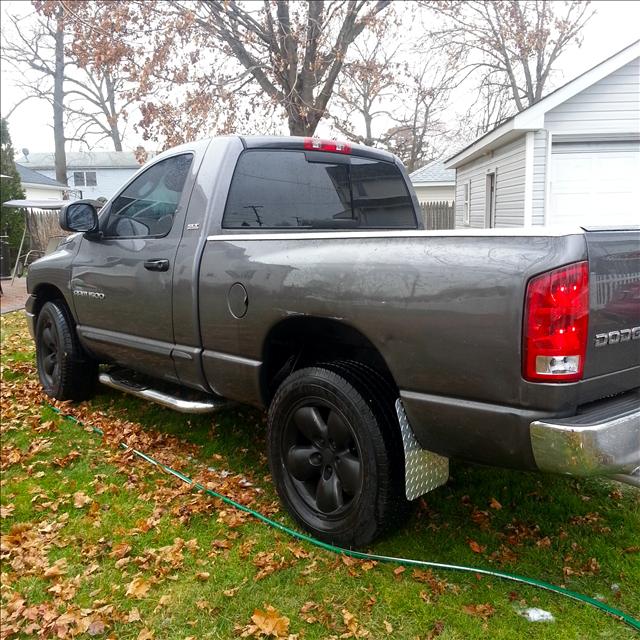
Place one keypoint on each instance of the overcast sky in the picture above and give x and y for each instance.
(615, 25)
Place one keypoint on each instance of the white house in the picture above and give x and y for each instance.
(37, 186)
(571, 159)
(434, 183)
(93, 173)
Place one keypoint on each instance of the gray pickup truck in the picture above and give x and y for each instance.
(294, 274)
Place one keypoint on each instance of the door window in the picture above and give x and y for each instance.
(147, 206)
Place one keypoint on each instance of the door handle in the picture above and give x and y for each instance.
(156, 265)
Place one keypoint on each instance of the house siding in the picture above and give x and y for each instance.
(611, 105)
(540, 151)
(109, 181)
(434, 194)
(508, 162)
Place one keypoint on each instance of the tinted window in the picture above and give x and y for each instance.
(283, 189)
(380, 196)
(147, 206)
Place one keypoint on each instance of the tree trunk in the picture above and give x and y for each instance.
(58, 101)
(112, 116)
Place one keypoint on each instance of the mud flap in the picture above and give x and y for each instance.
(423, 470)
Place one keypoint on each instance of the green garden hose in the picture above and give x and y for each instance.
(634, 623)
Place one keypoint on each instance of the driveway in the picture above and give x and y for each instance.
(13, 296)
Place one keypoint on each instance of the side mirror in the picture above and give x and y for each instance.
(80, 215)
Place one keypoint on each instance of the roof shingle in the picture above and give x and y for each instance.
(433, 172)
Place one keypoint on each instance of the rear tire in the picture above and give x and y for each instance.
(336, 455)
(66, 372)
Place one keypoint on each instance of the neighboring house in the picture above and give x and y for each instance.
(37, 186)
(434, 183)
(93, 173)
(573, 158)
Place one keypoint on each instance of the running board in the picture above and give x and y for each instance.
(159, 397)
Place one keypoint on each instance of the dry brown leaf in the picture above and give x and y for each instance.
(268, 622)
(120, 550)
(203, 575)
(134, 615)
(475, 547)
(138, 588)
(57, 569)
(146, 634)
(81, 499)
(494, 504)
(484, 611)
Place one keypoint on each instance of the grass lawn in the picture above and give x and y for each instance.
(96, 543)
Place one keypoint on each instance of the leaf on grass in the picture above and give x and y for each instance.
(145, 634)
(484, 611)
(388, 627)
(306, 609)
(436, 630)
(354, 630)
(120, 550)
(81, 499)
(494, 504)
(138, 588)
(134, 615)
(57, 569)
(475, 547)
(6, 510)
(203, 575)
(268, 622)
(398, 571)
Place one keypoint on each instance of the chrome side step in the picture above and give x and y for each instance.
(159, 397)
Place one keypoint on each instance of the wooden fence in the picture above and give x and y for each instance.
(438, 215)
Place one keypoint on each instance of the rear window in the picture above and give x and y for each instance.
(283, 189)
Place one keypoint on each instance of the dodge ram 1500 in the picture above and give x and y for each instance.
(295, 274)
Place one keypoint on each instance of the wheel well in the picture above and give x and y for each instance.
(45, 293)
(303, 341)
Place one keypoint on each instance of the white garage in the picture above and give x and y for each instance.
(595, 184)
(570, 159)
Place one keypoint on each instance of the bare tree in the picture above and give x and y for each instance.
(86, 89)
(294, 51)
(512, 45)
(366, 90)
(420, 134)
(38, 53)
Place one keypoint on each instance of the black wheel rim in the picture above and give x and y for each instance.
(49, 352)
(321, 457)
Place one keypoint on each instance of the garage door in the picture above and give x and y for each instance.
(595, 184)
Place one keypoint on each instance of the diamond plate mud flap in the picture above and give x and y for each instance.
(423, 470)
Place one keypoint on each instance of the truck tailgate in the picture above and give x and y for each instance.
(614, 285)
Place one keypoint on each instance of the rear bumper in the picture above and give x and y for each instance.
(601, 440)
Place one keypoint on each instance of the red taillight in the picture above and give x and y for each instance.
(335, 146)
(555, 324)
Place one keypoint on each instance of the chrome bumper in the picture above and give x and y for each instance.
(602, 441)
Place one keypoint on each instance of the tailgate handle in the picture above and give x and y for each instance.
(156, 265)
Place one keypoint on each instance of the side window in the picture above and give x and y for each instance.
(380, 195)
(147, 206)
(275, 189)
(284, 189)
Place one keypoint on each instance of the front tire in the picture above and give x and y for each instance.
(64, 369)
(335, 453)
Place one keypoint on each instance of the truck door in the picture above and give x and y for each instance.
(121, 281)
